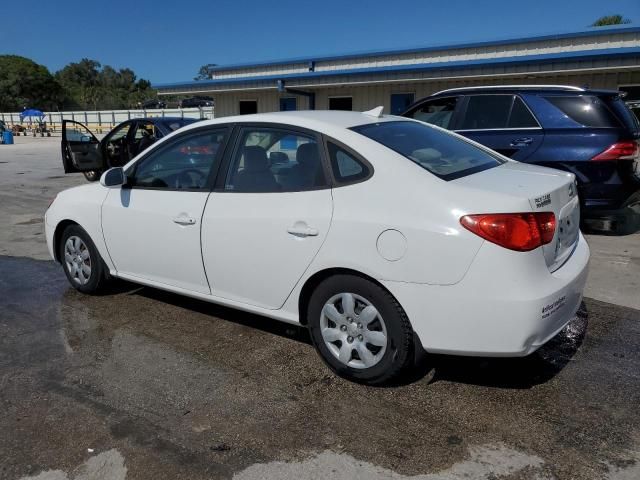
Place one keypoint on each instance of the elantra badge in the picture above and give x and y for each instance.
(543, 201)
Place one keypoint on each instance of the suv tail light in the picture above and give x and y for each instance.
(516, 231)
(619, 151)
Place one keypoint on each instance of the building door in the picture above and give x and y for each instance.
(400, 102)
(341, 103)
(247, 107)
(288, 104)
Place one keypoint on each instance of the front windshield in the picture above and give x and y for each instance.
(440, 152)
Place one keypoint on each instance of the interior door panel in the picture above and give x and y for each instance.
(81, 150)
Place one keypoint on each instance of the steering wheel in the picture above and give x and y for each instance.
(191, 178)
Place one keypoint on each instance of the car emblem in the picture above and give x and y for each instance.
(572, 191)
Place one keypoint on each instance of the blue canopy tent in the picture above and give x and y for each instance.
(32, 115)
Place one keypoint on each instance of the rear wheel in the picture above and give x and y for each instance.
(81, 261)
(92, 175)
(359, 329)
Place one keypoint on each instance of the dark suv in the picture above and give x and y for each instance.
(196, 102)
(590, 133)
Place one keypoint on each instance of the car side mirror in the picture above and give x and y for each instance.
(114, 177)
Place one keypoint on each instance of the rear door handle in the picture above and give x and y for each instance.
(184, 220)
(522, 142)
(303, 231)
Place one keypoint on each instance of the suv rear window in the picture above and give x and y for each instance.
(587, 110)
(443, 154)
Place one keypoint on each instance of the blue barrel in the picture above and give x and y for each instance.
(7, 137)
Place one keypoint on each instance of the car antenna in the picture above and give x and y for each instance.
(375, 112)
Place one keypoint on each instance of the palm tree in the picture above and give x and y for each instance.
(610, 20)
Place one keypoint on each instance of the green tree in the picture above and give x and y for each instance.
(610, 20)
(80, 82)
(24, 83)
(203, 72)
(88, 85)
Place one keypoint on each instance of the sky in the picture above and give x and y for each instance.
(168, 41)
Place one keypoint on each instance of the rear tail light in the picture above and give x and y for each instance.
(516, 231)
(619, 151)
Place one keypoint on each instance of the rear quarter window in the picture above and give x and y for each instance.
(587, 110)
(439, 152)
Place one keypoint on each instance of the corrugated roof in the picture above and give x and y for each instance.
(420, 67)
(590, 32)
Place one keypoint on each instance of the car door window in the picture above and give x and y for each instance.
(275, 160)
(185, 163)
(437, 112)
(116, 145)
(346, 167)
(486, 112)
(144, 136)
(521, 116)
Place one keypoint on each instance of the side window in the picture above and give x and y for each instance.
(275, 160)
(145, 135)
(521, 117)
(587, 110)
(346, 167)
(185, 163)
(487, 112)
(143, 130)
(437, 112)
(121, 132)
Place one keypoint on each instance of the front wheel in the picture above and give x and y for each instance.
(81, 260)
(359, 329)
(92, 175)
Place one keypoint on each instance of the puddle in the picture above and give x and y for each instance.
(104, 466)
(486, 462)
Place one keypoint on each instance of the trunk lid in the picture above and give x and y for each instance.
(545, 190)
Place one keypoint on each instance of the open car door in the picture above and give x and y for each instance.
(81, 150)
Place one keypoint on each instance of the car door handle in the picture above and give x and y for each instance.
(302, 231)
(522, 142)
(184, 221)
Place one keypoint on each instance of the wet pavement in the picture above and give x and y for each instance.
(139, 383)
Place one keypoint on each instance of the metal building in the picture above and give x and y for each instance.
(603, 57)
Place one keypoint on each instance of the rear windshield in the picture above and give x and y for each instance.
(625, 115)
(587, 110)
(441, 153)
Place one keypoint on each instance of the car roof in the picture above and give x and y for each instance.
(162, 119)
(563, 89)
(313, 119)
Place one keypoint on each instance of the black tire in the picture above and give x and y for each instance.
(97, 279)
(398, 353)
(92, 175)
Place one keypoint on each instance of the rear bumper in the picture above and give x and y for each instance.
(622, 220)
(503, 307)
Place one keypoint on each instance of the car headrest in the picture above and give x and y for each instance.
(307, 154)
(255, 159)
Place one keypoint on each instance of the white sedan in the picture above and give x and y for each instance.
(382, 235)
